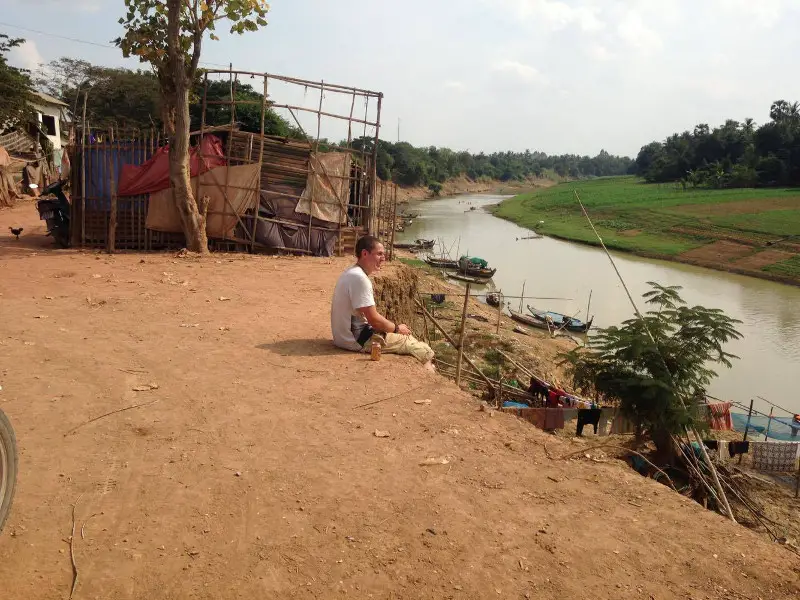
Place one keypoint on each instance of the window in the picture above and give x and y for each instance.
(49, 124)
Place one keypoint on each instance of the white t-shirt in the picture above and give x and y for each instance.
(353, 291)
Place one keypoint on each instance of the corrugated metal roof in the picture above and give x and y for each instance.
(49, 99)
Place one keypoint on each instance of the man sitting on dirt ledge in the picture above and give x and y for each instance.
(356, 323)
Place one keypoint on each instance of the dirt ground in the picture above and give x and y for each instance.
(741, 207)
(251, 468)
(736, 257)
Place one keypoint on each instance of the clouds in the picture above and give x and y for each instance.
(554, 14)
(90, 6)
(635, 33)
(519, 71)
(26, 56)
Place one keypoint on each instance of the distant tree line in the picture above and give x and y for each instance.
(732, 155)
(130, 99)
(410, 165)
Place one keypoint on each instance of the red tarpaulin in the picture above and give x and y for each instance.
(153, 175)
(720, 416)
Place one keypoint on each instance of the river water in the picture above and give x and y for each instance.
(770, 312)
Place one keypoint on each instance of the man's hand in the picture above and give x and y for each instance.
(403, 329)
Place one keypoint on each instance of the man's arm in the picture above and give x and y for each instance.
(381, 323)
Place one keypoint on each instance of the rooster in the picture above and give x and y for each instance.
(15, 231)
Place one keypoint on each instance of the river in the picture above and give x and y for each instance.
(770, 312)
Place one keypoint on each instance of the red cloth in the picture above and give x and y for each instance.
(153, 175)
(554, 397)
(720, 416)
(553, 418)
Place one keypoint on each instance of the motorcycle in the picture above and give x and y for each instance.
(55, 212)
(8, 467)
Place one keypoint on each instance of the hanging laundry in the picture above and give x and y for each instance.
(775, 456)
(720, 416)
(722, 451)
(711, 444)
(437, 298)
(553, 418)
(735, 448)
(590, 416)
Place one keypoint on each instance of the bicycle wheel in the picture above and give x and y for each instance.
(8, 467)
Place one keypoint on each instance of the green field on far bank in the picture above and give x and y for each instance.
(660, 219)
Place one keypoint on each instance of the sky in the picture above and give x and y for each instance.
(559, 76)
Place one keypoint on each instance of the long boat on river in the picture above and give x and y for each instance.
(559, 321)
(441, 263)
(468, 279)
(529, 321)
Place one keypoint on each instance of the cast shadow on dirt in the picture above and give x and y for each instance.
(302, 347)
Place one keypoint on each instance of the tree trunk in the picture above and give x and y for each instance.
(179, 175)
(194, 224)
(666, 450)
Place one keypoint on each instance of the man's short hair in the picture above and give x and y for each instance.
(368, 243)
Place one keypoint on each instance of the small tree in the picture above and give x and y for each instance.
(435, 188)
(15, 88)
(650, 376)
(169, 34)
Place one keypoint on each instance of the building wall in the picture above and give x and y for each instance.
(45, 113)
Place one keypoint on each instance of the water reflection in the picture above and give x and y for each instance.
(769, 351)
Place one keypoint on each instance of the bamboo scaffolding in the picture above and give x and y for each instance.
(453, 343)
(462, 335)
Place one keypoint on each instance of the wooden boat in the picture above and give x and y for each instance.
(561, 322)
(405, 245)
(468, 279)
(425, 244)
(493, 299)
(486, 273)
(441, 263)
(475, 269)
(528, 320)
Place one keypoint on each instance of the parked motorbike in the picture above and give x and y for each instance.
(55, 212)
(8, 467)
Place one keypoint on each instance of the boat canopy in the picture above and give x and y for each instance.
(479, 262)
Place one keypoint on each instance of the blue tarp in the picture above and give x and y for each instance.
(100, 161)
(779, 429)
(510, 404)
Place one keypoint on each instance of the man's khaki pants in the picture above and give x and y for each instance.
(395, 343)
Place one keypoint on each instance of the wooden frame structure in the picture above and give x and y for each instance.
(292, 171)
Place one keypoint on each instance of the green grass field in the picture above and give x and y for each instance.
(660, 219)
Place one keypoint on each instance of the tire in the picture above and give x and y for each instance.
(8, 467)
(61, 236)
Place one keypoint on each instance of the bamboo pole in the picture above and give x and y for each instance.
(747, 427)
(462, 336)
(111, 240)
(453, 343)
(499, 310)
(394, 216)
(331, 87)
(260, 167)
(769, 424)
(515, 363)
(84, 138)
(522, 295)
(350, 121)
(424, 323)
(325, 114)
(588, 305)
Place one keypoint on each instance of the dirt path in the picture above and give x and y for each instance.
(252, 474)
